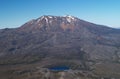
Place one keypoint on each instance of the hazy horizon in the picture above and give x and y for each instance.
(14, 13)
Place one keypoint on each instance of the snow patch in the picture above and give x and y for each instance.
(68, 16)
(38, 20)
(42, 17)
(68, 19)
(30, 22)
(50, 17)
(50, 21)
(46, 19)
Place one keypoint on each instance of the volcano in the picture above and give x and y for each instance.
(87, 49)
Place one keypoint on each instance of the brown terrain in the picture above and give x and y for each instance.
(88, 50)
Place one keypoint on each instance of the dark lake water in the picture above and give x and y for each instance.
(59, 68)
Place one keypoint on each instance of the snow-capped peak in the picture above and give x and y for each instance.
(50, 19)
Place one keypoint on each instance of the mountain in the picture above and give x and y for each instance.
(89, 50)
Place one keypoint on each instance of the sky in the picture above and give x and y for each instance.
(14, 13)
